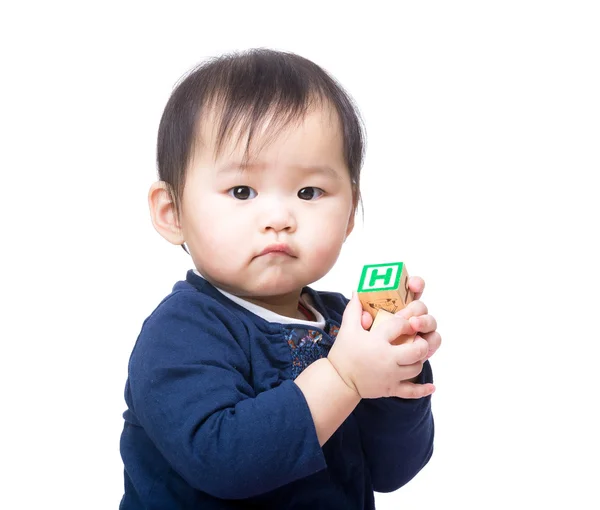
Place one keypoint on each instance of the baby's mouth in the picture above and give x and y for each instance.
(277, 249)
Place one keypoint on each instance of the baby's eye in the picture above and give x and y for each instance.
(310, 193)
(242, 192)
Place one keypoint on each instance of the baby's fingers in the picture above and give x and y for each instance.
(410, 353)
(434, 340)
(411, 390)
(393, 328)
(417, 285)
(366, 320)
(413, 309)
(423, 323)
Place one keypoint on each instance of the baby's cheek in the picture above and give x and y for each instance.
(326, 251)
(215, 252)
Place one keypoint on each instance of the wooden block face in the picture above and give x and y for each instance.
(384, 287)
(381, 316)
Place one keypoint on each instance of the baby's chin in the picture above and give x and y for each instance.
(264, 287)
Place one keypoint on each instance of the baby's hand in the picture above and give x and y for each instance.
(415, 283)
(370, 364)
(417, 314)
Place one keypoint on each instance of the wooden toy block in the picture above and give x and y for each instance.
(383, 290)
(384, 287)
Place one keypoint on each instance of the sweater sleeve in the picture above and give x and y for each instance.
(397, 436)
(188, 378)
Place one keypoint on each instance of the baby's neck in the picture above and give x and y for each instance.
(282, 305)
(286, 305)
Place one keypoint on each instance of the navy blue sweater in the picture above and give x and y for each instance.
(214, 419)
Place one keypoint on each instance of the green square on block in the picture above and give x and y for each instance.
(378, 277)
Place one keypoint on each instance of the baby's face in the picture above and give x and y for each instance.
(278, 225)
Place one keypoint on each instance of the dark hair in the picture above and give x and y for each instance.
(246, 87)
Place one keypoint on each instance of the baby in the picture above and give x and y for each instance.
(246, 388)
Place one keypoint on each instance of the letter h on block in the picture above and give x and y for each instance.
(384, 287)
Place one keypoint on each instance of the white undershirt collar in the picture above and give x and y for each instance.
(271, 316)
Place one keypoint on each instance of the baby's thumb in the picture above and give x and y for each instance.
(366, 320)
(353, 311)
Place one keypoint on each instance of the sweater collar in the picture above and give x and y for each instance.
(307, 296)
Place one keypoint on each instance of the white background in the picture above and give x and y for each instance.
(483, 126)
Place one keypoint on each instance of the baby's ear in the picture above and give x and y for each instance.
(163, 213)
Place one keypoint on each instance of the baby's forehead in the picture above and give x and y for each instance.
(226, 134)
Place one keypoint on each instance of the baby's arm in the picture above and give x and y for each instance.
(370, 363)
(329, 398)
(188, 383)
(397, 433)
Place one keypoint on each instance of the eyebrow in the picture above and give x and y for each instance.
(236, 166)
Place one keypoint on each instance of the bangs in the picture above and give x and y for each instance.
(256, 121)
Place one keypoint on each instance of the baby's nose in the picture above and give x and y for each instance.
(279, 216)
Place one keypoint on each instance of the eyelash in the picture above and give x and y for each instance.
(232, 192)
